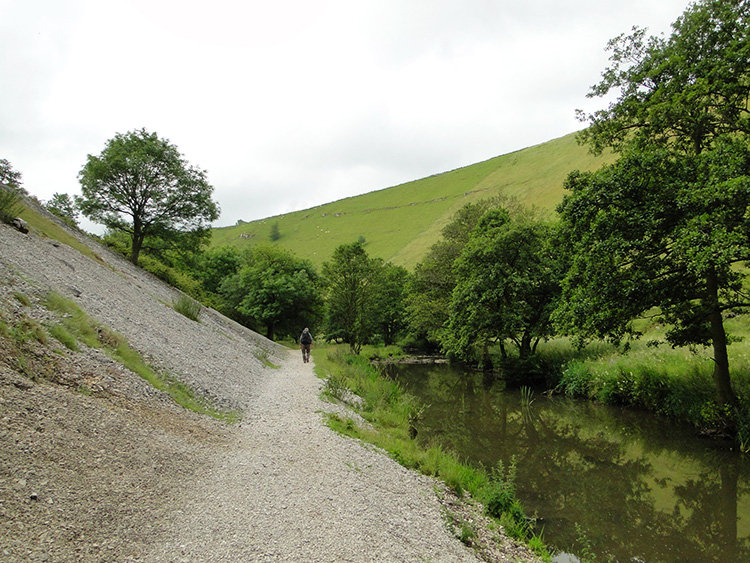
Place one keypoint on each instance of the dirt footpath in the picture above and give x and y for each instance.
(292, 490)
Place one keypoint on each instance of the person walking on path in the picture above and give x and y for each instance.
(305, 342)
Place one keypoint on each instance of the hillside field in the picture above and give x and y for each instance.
(400, 223)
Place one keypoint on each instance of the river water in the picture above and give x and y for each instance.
(629, 485)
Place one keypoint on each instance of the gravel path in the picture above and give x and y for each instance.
(293, 490)
(121, 473)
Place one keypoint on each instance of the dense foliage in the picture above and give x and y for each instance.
(364, 298)
(273, 291)
(666, 226)
(141, 185)
(507, 284)
(433, 280)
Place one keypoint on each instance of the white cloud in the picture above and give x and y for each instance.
(290, 104)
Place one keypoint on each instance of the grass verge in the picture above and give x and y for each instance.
(392, 415)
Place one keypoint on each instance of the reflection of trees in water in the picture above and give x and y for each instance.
(707, 511)
(575, 466)
(586, 480)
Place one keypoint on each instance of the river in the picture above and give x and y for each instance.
(631, 486)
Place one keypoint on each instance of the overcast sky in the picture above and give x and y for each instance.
(292, 103)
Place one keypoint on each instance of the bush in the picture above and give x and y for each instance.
(575, 380)
(10, 204)
(173, 277)
(187, 307)
(335, 386)
(500, 500)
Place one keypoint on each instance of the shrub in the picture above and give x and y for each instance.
(575, 380)
(10, 204)
(501, 502)
(467, 534)
(188, 307)
(335, 386)
(173, 277)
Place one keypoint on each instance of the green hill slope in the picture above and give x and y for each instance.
(400, 223)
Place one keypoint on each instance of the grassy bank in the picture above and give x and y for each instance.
(653, 376)
(392, 415)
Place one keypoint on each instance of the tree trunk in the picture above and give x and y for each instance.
(135, 250)
(503, 352)
(524, 351)
(724, 392)
(137, 241)
(486, 360)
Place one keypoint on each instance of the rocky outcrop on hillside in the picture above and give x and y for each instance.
(97, 465)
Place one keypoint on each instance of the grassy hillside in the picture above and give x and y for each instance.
(400, 223)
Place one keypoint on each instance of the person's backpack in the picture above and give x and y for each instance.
(306, 338)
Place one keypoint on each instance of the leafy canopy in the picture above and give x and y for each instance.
(275, 291)
(351, 281)
(666, 225)
(141, 185)
(9, 176)
(433, 280)
(680, 92)
(507, 284)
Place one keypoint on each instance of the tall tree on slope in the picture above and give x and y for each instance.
(665, 226)
(141, 185)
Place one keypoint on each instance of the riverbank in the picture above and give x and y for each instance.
(675, 383)
(97, 465)
(389, 417)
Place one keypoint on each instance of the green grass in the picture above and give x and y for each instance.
(64, 336)
(188, 307)
(400, 223)
(77, 326)
(651, 375)
(25, 330)
(392, 413)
